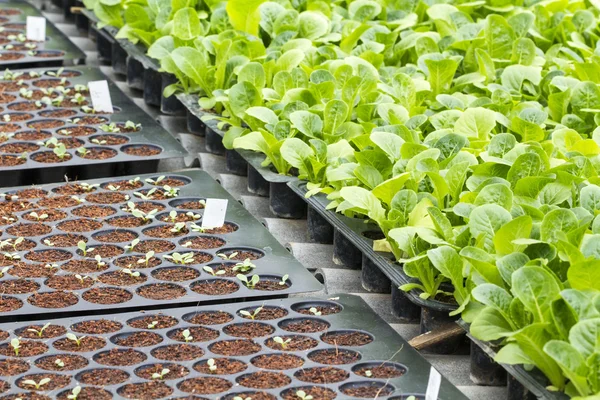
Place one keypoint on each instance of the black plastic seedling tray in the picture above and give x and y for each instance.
(353, 247)
(57, 50)
(262, 181)
(365, 343)
(72, 128)
(50, 262)
(526, 385)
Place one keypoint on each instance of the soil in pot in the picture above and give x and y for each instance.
(369, 390)
(42, 332)
(107, 295)
(141, 150)
(24, 270)
(18, 148)
(164, 231)
(91, 120)
(120, 357)
(18, 286)
(84, 266)
(270, 284)
(98, 153)
(384, 370)
(32, 135)
(124, 184)
(157, 246)
(145, 390)
(31, 193)
(11, 161)
(12, 367)
(49, 157)
(264, 380)
(69, 282)
(304, 325)
(76, 131)
(71, 189)
(65, 240)
(168, 181)
(205, 385)
(202, 242)
(96, 327)
(239, 347)
(106, 198)
(153, 322)
(35, 229)
(214, 287)
(132, 262)
(249, 330)
(28, 348)
(125, 222)
(9, 128)
(189, 204)
(50, 83)
(102, 377)
(177, 352)
(175, 274)
(161, 291)
(334, 356)
(57, 299)
(322, 375)
(316, 392)
(347, 338)
(103, 250)
(48, 215)
(122, 278)
(109, 140)
(116, 236)
(56, 381)
(277, 361)
(61, 362)
(176, 371)
(82, 344)
(58, 202)
(46, 124)
(79, 225)
(48, 256)
(147, 206)
(57, 113)
(196, 334)
(86, 393)
(224, 366)
(137, 339)
(295, 343)
(209, 318)
(26, 106)
(93, 211)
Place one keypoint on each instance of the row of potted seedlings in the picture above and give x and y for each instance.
(17, 51)
(132, 242)
(49, 129)
(289, 349)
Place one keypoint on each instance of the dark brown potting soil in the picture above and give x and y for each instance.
(70, 361)
(304, 325)
(346, 338)
(197, 334)
(86, 393)
(368, 390)
(79, 225)
(86, 343)
(176, 371)
(277, 361)
(120, 357)
(316, 392)
(215, 287)
(84, 266)
(69, 282)
(57, 299)
(57, 381)
(264, 380)
(334, 356)
(18, 286)
(177, 352)
(50, 331)
(145, 390)
(225, 366)
(239, 347)
(175, 274)
(265, 313)
(138, 339)
(297, 343)
(103, 376)
(158, 246)
(209, 318)
(12, 367)
(96, 326)
(28, 348)
(142, 150)
(322, 375)
(107, 295)
(120, 278)
(249, 329)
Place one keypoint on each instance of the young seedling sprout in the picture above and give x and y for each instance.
(75, 339)
(48, 243)
(78, 199)
(152, 325)
(280, 341)
(37, 216)
(99, 262)
(83, 151)
(81, 245)
(250, 284)
(12, 256)
(253, 315)
(245, 266)
(60, 363)
(178, 227)
(130, 272)
(4, 271)
(212, 271)
(74, 393)
(172, 216)
(155, 182)
(60, 150)
(146, 259)
(96, 141)
(39, 332)
(37, 385)
(170, 191)
(224, 256)
(147, 196)
(17, 242)
(16, 345)
(134, 180)
(197, 228)
(178, 258)
(51, 266)
(161, 374)
(131, 246)
(110, 128)
(283, 280)
(81, 279)
(303, 396)
(187, 335)
(314, 311)
(132, 125)
(242, 398)
(146, 217)
(212, 366)
(113, 188)
(86, 187)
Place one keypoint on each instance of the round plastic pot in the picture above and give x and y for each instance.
(434, 315)
(284, 203)
(235, 163)
(345, 252)
(403, 307)
(152, 87)
(484, 370)
(195, 125)
(372, 278)
(214, 142)
(169, 105)
(256, 183)
(119, 58)
(135, 74)
(319, 230)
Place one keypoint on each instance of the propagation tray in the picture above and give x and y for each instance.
(159, 144)
(158, 284)
(57, 50)
(347, 337)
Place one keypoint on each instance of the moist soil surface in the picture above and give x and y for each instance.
(53, 363)
(304, 325)
(11, 161)
(29, 348)
(215, 287)
(164, 231)
(125, 222)
(225, 366)
(205, 385)
(120, 278)
(97, 327)
(264, 380)
(124, 184)
(93, 211)
(175, 274)
(48, 256)
(69, 282)
(265, 313)
(132, 262)
(32, 135)
(50, 331)
(249, 330)
(71, 189)
(86, 393)
(120, 357)
(110, 140)
(50, 214)
(106, 198)
(346, 338)
(116, 236)
(138, 339)
(66, 240)
(12, 367)
(103, 377)
(18, 286)
(83, 266)
(53, 299)
(103, 250)
(277, 361)
(24, 270)
(202, 242)
(322, 375)
(176, 371)
(238, 347)
(316, 392)
(107, 295)
(142, 151)
(209, 318)
(35, 229)
(57, 381)
(58, 202)
(382, 371)
(158, 246)
(270, 285)
(145, 390)
(86, 343)
(297, 343)
(198, 334)
(155, 321)
(162, 291)
(368, 390)
(334, 356)
(50, 158)
(79, 225)
(177, 352)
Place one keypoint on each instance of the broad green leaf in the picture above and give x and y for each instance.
(186, 24)
(244, 15)
(536, 288)
(486, 220)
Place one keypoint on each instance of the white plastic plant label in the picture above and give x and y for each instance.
(214, 213)
(433, 385)
(36, 29)
(100, 96)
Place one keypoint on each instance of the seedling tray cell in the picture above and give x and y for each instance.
(17, 52)
(29, 125)
(47, 273)
(347, 347)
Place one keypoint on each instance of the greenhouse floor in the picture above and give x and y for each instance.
(290, 233)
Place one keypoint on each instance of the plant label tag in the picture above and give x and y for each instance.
(36, 29)
(214, 213)
(433, 386)
(100, 96)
